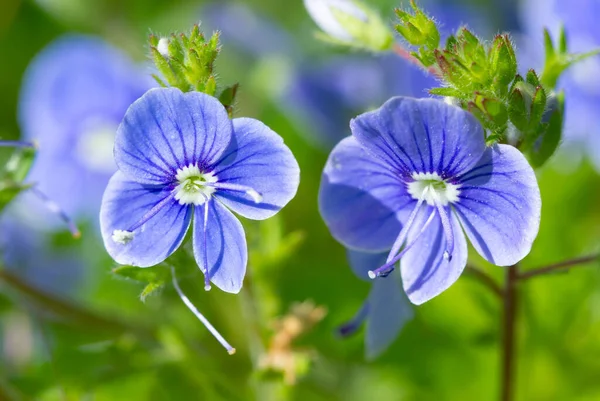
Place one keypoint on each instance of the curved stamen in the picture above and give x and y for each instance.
(205, 245)
(255, 195)
(55, 208)
(448, 233)
(152, 212)
(386, 269)
(200, 316)
(18, 144)
(351, 327)
(404, 232)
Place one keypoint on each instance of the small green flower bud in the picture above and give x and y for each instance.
(350, 23)
(418, 29)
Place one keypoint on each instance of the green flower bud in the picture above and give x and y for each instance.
(350, 23)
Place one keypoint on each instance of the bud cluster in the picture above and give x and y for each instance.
(187, 62)
(482, 78)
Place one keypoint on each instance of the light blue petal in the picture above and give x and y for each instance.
(362, 198)
(166, 130)
(499, 205)
(124, 204)
(425, 272)
(257, 158)
(362, 262)
(76, 78)
(389, 310)
(223, 248)
(421, 135)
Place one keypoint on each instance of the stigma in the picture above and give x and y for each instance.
(433, 189)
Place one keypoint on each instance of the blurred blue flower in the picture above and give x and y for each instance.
(75, 93)
(582, 82)
(410, 172)
(180, 154)
(386, 309)
(246, 30)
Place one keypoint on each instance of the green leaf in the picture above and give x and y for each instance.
(159, 273)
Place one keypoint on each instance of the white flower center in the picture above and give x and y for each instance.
(433, 189)
(193, 188)
(94, 148)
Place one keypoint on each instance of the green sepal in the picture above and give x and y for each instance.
(550, 135)
(446, 91)
(154, 277)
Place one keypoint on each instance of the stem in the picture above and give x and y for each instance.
(50, 303)
(558, 267)
(508, 333)
(485, 279)
(405, 54)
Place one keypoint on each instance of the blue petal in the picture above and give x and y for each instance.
(361, 198)
(499, 205)
(362, 262)
(75, 78)
(257, 158)
(421, 135)
(166, 130)
(389, 310)
(222, 246)
(425, 272)
(124, 204)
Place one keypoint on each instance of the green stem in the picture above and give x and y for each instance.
(63, 308)
(558, 267)
(508, 334)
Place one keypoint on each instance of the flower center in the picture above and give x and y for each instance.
(94, 148)
(194, 186)
(433, 189)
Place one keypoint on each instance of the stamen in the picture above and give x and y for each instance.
(205, 245)
(447, 231)
(387, 268)
(152, 212)
(18, 144)
(255, 195)
(200, 316)
(404, 232)
(55, 208)
(351, 327)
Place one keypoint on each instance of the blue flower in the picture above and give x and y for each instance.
(581, 82)
(386, 309)
(414, 172)
(179, 155)
(74, 95)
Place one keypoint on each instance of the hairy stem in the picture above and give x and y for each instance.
(508, 334)
(558, 267)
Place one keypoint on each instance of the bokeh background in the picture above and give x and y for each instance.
(72, 329)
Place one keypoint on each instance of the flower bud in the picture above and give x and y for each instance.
(350, 23)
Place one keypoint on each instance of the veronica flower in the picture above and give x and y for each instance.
(412, 177)
(75, 93)
(179, 155)
(386, 310)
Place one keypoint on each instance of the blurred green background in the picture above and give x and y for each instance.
(98, 341)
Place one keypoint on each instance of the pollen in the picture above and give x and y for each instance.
(122, 236)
